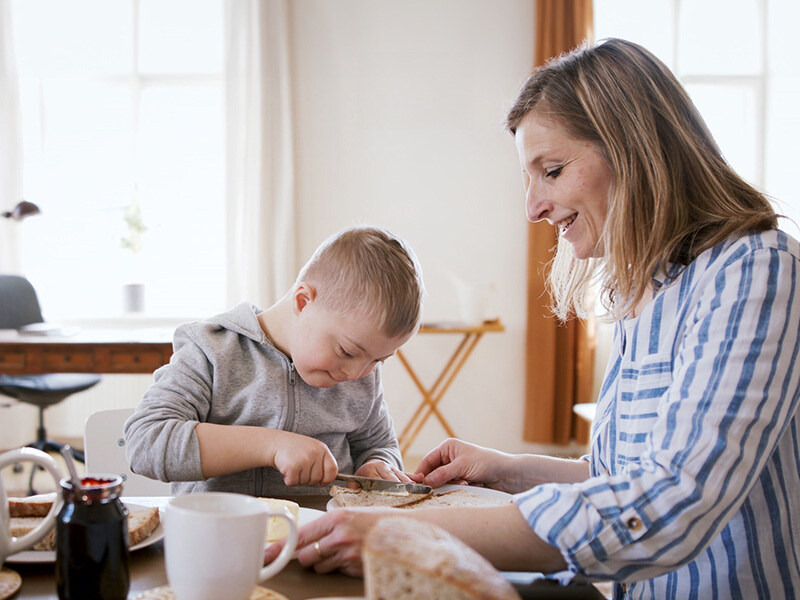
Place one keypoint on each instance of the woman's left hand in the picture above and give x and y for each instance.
(380, 470)
(333, 541)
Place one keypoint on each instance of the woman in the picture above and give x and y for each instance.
(691, 485)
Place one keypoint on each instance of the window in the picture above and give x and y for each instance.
(123, 150)
(736, 59)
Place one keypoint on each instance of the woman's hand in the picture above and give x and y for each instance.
(333, 541)
(381, 470)
(456, 461)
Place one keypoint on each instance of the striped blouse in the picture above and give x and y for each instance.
(695, 452)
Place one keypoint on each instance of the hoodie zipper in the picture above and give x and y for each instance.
(289, 422)
(291, 401)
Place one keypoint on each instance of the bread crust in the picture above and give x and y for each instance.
(31, 506)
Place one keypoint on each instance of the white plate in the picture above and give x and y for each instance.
(448, 487)
(49, 556)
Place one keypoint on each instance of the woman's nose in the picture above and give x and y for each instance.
(536, 208)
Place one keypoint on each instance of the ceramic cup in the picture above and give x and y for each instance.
(214, 545)
(11, 545)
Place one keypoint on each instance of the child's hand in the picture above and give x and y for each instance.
(303, 460)
(380, 470)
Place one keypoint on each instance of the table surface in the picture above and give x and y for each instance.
(148, 571)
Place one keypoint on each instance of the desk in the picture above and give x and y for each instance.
(87, 351)
(470, 336)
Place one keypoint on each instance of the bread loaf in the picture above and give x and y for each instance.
(406, 559)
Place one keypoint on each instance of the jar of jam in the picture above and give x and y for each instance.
(92, 551)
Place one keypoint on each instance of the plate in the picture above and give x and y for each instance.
(448, 487)
(49, 556)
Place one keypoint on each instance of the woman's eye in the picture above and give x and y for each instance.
(554, 172)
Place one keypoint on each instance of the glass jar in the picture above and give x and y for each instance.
(92, 548)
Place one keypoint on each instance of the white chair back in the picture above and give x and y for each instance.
(104, 447)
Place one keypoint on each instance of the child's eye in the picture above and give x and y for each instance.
(554, 172)
(344, 353)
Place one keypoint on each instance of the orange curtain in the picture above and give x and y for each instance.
(560, 358)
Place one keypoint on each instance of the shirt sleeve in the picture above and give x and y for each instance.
(160, 437)
(722, 408)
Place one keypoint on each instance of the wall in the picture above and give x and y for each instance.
(399, 110)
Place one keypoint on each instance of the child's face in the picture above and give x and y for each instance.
(328, 348)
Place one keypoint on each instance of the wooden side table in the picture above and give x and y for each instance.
(471, 335)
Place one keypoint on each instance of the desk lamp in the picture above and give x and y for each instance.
(22, 210)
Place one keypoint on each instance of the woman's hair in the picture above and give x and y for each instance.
(368, 272)
(673, 194)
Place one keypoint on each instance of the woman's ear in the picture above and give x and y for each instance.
(303, 295)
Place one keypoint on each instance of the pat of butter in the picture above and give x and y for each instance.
(278, 528)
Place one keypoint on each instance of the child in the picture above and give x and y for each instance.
(254, 401)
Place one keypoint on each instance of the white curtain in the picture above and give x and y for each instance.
(260, 169)
(10, 144)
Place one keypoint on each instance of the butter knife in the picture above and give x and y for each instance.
(371, 484)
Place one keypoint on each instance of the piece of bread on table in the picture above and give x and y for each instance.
(19, 526)
(406, 559)
(465, 498)
(141, 523)
(355, 497)
(31, 506)
(358, 497)
(277, 528)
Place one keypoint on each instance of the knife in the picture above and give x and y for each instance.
(370, 484)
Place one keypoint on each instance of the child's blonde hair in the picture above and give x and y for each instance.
(369, 272)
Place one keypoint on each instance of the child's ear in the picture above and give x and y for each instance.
(304, 294)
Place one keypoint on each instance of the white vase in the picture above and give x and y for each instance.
(133, 297)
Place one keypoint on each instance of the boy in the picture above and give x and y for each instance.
(254, 401)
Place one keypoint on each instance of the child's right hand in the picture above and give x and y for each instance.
(302, 460)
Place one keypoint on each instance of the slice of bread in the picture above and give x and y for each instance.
(19, 526)
(32, 506)
(406, 559)
(358, 497)
(277, 528)
(355, 497)
(141, 523)
(465, 498)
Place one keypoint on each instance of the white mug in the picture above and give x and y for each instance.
(214, 545)
(11, 545)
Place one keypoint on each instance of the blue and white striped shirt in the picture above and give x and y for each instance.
(694, 488)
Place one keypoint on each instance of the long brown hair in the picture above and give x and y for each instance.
(673, 194)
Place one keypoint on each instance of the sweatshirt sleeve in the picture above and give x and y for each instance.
(723, 405)
(160, 436)
(376, 438)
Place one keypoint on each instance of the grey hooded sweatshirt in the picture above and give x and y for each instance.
(225, 370)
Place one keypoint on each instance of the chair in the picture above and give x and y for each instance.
(19, 306)
(104, 448)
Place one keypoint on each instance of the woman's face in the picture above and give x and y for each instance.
(567, 183)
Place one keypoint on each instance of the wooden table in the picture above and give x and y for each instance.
(135, 350)
(148, 570)
(431, 396)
